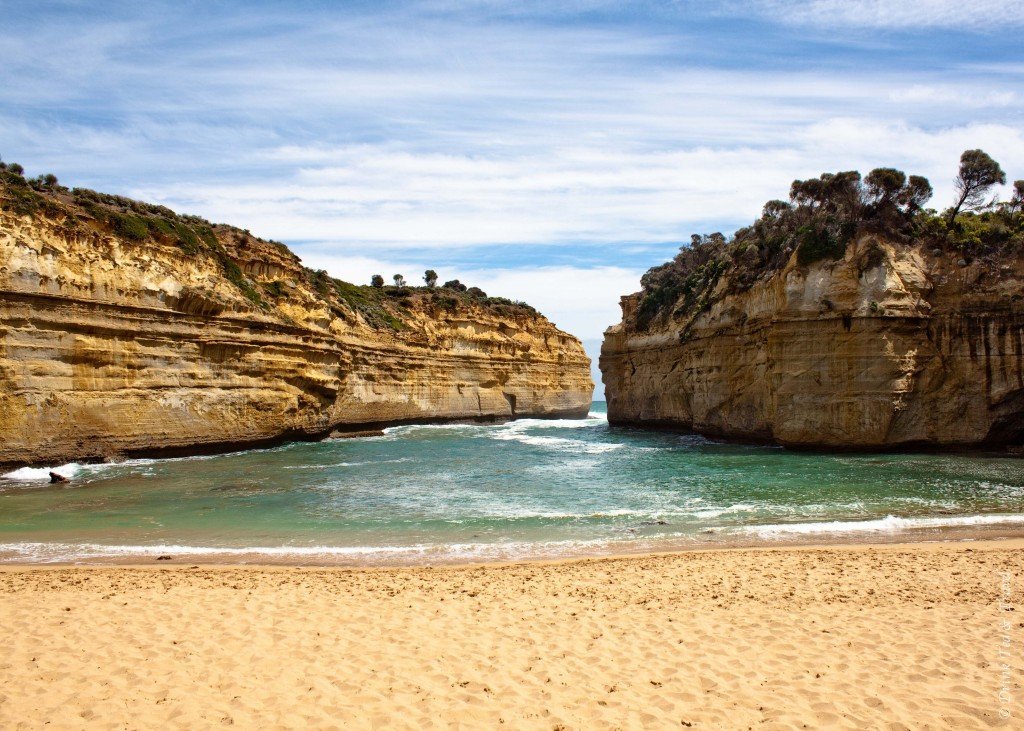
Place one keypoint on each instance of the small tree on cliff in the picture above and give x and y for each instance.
(430, 277)
(377, 280)
(884, 184)
(44, 182)
(915, 194)
(978, 173)
(892, 199)
(399, 280)
(1016, 203)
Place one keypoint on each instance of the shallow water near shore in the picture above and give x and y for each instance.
(472, 492)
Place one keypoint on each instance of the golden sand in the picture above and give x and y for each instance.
(907, 636)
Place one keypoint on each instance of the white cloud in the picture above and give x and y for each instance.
(938, 94)
(893, 14)
(580, 300)
(583, 301)
(372, 132)
(385, 197)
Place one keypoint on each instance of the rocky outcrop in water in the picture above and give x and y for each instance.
(127, 329)
(885, 341)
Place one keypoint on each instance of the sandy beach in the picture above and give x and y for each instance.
(901, 636)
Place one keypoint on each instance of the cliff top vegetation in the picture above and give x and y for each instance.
(824, 215)
(81, 211)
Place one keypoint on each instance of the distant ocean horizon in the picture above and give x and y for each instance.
(524, 489)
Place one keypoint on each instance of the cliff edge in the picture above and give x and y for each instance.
(848, 317)
(126, 329)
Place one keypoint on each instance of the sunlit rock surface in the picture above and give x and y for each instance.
(889, 347)
(113, 346)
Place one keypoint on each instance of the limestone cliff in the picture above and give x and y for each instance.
(890, 344)
(912, 350)
(127, 329)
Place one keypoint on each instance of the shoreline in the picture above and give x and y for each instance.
(860, 636)
(1013, 542)
(343, 430)
(342, 557)
(359, 430)
(365, 430)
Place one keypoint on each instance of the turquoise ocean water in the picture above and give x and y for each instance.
(524, 489)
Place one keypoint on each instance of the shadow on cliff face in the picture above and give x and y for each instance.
(1008, 430)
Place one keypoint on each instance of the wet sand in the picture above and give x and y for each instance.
(895, 636)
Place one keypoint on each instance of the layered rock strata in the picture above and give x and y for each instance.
(159, 342)
(891, 346)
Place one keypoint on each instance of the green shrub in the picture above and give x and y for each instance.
(816, 245)
(129, 225)
(160, 227)
(447, 303)
(137, 221)
(369, 302)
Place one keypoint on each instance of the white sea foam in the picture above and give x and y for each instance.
(514, 426)
(36, 552)
(511, 430)
(76, 469)
(649, 513)
(516, 431)
(704, 513)
(560, 444)
(515, 514)
(345, 464)
(83, 551)
(588, 423)
(42, 474)
(888, 524)
(41, 552)
(557, 468)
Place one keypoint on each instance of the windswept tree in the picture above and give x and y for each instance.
(1016, 202)
(884, 184)
(915, 194)
(377, 280)
(44, 182)
(882, 187)
(430, 277)
(399, 280)
(819, 222)
(774, 209)
(12, 167)
(978, 173)
(892, 199)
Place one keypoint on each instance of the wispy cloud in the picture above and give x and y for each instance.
(567, 294)
(544, 151)
(892, 14)
(387, 197)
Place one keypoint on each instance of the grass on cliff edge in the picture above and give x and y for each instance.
(822, 217)
(81, 210)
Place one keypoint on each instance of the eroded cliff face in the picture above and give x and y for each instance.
(889, 347)
(117, 345)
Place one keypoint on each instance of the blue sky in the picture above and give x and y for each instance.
(550, 152)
